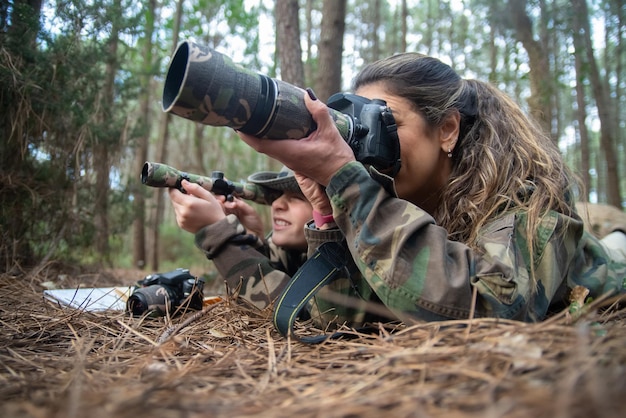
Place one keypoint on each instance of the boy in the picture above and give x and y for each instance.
(231, 234)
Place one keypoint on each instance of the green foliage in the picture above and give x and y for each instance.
(55, 113)
(52, 116)
(178, 250)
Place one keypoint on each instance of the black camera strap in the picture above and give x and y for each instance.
(328, 261)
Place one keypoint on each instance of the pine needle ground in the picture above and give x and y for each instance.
(230, 362)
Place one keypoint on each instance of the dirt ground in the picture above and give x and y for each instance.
(230, 362)
(601, 219)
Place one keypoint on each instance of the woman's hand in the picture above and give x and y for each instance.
(315, 194)
(318, 156)
(196, 209)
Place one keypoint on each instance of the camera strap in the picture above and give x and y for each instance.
(328, 261)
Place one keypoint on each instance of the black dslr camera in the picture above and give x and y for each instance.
(161, 293)
(375, 138)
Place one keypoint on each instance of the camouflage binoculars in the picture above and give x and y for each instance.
(163, 175)
(206, 86)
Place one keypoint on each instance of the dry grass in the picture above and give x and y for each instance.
(58, 362)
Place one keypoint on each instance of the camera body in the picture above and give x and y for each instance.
(161, 293)
(374, 134)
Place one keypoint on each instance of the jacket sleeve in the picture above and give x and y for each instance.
(412, 266)
(243, 261)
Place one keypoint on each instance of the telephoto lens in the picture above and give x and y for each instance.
(206, 86)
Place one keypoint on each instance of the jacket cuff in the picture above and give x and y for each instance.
(212, 238)
(316, 237)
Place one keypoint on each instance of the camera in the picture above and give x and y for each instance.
(375, 140)
(206, 86)
(162, 293)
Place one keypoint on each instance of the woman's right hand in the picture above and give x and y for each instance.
(318, 156)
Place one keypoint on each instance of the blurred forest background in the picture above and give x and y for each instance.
(81, 83)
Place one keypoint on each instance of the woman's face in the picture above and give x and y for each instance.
(289, 214)
(424, 151)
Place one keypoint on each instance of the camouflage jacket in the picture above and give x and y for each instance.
(405, 260)
(254, 269)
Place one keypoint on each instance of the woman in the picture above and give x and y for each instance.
(484, 202)
(231, 234)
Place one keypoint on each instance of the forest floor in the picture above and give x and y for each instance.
(57, 361)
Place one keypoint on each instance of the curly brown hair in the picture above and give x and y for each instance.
(502, 160)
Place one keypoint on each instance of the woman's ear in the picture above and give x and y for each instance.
(449, 131)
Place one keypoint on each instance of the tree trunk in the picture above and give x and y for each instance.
(428, 27)
(330, 48)
(581, 117)
(289, 48)
(603, 103)
(21, 27)
(376, 26)
(164, 133)
(141, 154)
(493, 46)
(308, 66)
(619, 10)
(102, 163)
(102, 167)
(540, 85)
(405, 31)
(288, 42)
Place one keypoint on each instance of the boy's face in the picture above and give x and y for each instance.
(289, 214)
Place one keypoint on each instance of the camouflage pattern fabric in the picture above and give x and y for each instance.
(406, 261)
(254, 269)
(162, 175)
(206, 86)
(257, 270)
(409, 266)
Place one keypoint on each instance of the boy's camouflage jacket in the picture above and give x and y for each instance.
(255, 269)
(411, 266)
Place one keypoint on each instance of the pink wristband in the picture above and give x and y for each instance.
(322, 219)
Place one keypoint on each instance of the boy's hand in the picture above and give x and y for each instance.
(246, 214)
(196, 209)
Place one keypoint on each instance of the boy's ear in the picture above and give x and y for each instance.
(449, 131)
